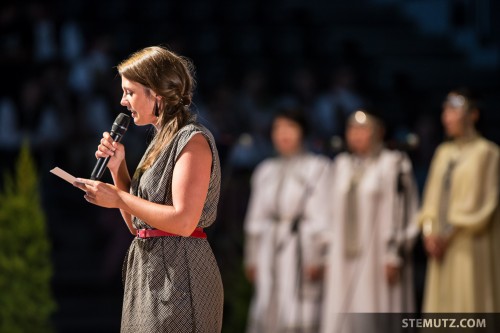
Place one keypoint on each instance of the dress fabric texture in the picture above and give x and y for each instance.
(467, 279)
(286, 191)
(356, 286)
(173, 283)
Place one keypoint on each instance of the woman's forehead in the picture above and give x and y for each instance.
(126, 83)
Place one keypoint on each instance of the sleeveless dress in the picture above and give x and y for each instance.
(173, 283)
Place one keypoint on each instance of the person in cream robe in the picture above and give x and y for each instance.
(460, 217)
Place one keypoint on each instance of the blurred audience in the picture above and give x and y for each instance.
(334, 106)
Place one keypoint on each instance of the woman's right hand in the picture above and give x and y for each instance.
(251, 273)
(436, 246)
(115, 150)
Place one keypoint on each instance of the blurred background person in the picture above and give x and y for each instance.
(459, 215)
(373, 202)
(285, 218)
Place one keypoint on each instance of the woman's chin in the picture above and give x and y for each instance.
(136, 118)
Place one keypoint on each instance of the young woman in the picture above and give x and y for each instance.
(172, 282)
(459, 216)
(284, 225)
(373, 203)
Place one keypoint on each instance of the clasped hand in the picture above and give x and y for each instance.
(436, 246)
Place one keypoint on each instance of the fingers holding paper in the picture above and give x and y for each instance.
(99, 193)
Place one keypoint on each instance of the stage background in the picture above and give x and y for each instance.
(57, 62)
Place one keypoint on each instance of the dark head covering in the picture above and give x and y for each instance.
(296, 115)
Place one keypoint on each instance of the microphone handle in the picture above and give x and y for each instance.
(101, 164)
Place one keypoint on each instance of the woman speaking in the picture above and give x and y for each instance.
(172, 282)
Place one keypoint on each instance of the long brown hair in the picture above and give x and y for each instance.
(170, 76)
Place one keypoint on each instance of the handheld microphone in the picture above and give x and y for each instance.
(117, 131)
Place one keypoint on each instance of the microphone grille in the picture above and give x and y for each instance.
(121, 123)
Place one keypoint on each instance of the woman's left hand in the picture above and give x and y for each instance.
(314, 273)
(392, 274)
(99, 193)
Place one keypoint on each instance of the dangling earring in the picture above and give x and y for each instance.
(156, 112)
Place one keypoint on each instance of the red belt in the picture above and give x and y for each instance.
(148, 233)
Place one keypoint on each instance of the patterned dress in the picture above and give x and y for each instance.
(173, 284)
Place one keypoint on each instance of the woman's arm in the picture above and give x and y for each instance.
(121, 179)
(474, 197)
(190, 182)
(118, 167)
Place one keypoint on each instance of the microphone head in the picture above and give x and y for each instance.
(120, 124)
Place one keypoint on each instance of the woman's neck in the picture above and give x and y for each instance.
(369, 153)
(468, 135)
(292, 154)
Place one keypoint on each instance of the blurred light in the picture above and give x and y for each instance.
(360, 117)
(413, 140)
(336, 143)
(456, 101)
(245, 140)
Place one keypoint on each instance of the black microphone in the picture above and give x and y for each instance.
(117, 131)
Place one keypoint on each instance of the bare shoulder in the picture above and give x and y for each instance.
(198, 141)
(198, 147)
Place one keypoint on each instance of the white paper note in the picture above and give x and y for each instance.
(63, 174)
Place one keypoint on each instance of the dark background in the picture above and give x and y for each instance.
(60, 86)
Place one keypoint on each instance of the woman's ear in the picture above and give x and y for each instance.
(474, 115)
(378, 133)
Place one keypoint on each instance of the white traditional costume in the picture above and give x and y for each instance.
(285, 221)
(373, 204)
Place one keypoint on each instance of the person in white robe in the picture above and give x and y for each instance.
(374, 200)
(460, 215)
(286, 218)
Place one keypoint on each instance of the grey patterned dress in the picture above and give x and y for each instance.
(173, 284)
